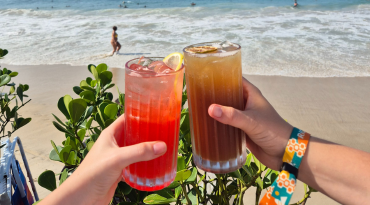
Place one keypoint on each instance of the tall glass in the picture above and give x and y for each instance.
(152, 112)
(215, 77)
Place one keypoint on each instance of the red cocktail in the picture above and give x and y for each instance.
(152, 111)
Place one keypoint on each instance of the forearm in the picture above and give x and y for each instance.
(340, 172)
(73, 191)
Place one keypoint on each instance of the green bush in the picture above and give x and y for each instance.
(9, 95)
(95, 105)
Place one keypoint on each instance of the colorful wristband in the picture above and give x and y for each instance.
(281, 191)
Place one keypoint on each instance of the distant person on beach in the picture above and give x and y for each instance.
(295, 3)
(116, 45)
(340, 172)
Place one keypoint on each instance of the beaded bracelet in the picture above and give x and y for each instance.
(281, 191)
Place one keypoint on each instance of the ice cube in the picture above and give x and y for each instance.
(136, 67)
(217, 45)
(226, 44)
(159, 67)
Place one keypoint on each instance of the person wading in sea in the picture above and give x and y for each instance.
(116, 45)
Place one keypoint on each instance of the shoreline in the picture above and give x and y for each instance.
(4, 65)
(332, 108)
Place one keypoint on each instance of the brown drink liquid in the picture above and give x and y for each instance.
(215, 78)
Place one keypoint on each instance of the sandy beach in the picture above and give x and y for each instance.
(335, 109)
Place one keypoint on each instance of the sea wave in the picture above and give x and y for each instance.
(275, 40)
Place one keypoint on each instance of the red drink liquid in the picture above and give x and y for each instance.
(152, 112)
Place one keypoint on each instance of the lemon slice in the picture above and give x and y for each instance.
(201, 49)
(174, 60)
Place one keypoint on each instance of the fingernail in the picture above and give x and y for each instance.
(159, 148)
(217, 111)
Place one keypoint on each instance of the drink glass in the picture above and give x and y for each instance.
(152, 113)
(215, 77)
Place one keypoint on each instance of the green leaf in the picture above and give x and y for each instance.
(25, 87)
(63, 176)
(158, 199)
(77, 90)
(54, 146)
(76, 109)
(85, 86)
(20, 93)
(192, 194)
(184, 122)
(93, 83)
(124, 188)
(3, 52)
(63, 108)
(13, 74)
(89, 145)
(72, 141)
(4, 79)
(101, 68)
(105, 77)
(107, 86)
(88, 124)
(94, 137)
(20, 122)
(180, 163)
(59, 120)
(178, 191)
(109, 96)
(108, 122)
(173, 185)
(5, 71)
(110, 111)
(64, 153)
(88, 95)
(71, 158)
(61, 128)
(192, 177)
(259, 182)
(166, 193)
(88, 80)
(12, 90)
(95, 73)
(249, 159)
(90, 66)
(182, 175)
(54, 155)
(237, 174)
(47, 180)
(67, 99)
(81, 134)
(232, 189)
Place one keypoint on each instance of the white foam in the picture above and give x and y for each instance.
(274, 40)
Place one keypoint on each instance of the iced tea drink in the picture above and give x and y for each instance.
(152, 113)
(214, 77)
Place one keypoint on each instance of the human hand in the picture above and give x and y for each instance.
(96, 179)
(267, 133)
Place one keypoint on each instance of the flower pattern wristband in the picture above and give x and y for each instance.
(281, 191)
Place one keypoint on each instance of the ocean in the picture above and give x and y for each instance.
(322, 38)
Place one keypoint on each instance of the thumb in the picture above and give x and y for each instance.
(141, 152)
(230, 116)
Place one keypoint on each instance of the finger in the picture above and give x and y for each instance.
(141, 152)
(230, 116)
(117, 127)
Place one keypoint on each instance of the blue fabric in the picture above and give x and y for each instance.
(16, 197)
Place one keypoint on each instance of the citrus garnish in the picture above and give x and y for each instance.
(201, 49)
(174, 60)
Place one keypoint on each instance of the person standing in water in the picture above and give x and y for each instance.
(295, 3)
(116, 45)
